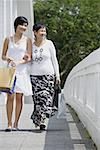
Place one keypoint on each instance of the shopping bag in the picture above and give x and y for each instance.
(57, 90)
(62, 114)
(7, 79)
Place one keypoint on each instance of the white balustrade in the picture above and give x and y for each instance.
(82, 92)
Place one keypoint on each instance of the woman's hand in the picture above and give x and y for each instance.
(57, 86)
(58, 81)
(27, 57)
(8, 59)
(12, 64)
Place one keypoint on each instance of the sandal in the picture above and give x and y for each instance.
(9, 129)
(15, 129)
(42, 127)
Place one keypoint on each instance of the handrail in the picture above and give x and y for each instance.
(82, 92)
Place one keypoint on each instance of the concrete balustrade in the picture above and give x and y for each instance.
(82, 92)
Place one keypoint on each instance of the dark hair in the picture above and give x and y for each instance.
(38, 26)
(19, 21)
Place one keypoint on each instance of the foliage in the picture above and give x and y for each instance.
(74, 27)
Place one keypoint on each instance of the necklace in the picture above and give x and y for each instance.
(37, 52)
(37, 55)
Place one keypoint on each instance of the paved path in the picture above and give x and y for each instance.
(61, 134)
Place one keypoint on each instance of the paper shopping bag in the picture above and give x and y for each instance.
(7, 80)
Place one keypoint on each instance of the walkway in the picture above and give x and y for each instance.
(61, 134)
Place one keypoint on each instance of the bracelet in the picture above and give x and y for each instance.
(8, 60)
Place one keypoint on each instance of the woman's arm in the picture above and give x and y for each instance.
(55, 62)
(28, 55)
(29, 49)
(4, 52)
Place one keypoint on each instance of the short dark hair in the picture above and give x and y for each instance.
(19, 21)
(38, 26)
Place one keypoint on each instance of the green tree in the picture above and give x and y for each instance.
(74, 27)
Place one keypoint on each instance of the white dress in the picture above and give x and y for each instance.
(17, 52)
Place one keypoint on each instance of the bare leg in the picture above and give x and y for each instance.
(9, 108)
(18, 109)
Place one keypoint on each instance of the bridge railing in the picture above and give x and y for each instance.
(82, 92)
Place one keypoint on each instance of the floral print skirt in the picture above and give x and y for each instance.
(43, 92)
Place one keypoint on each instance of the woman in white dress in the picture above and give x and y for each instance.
(14, 49)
